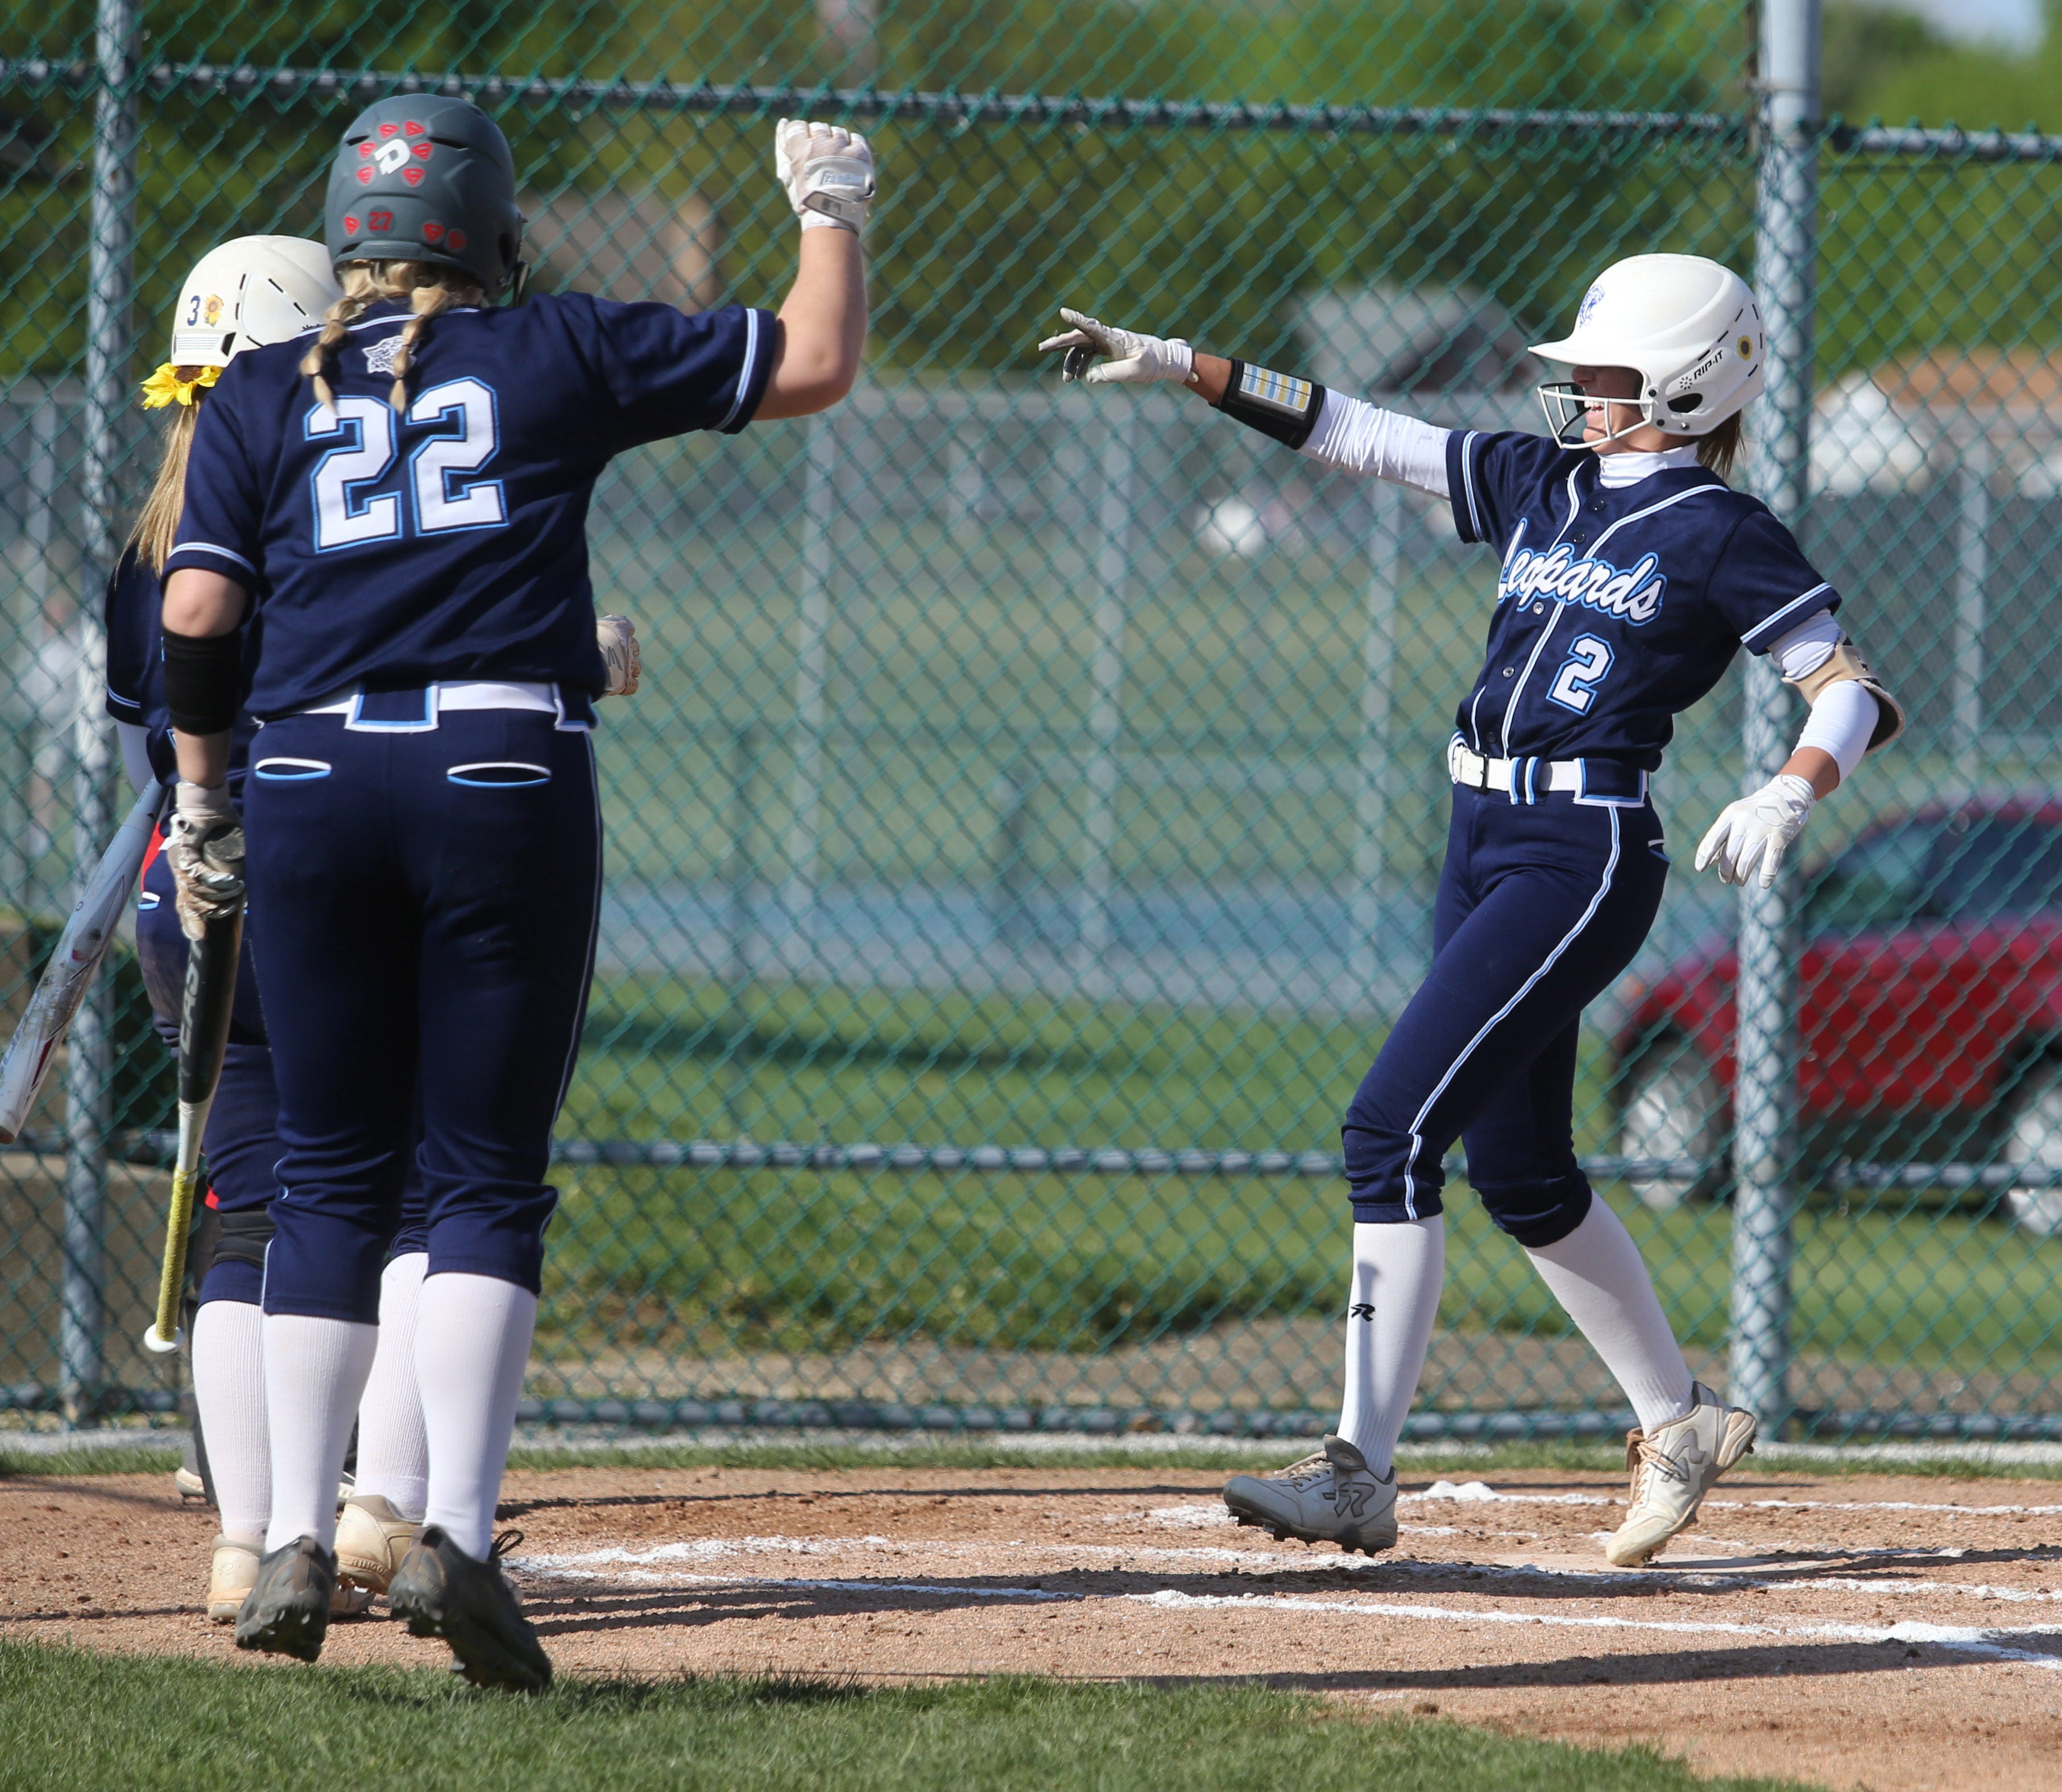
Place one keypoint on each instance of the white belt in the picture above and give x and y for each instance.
(468, 694)
(1478, 773)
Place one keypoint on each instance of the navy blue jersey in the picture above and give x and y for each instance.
(387, 553)
(1616, 610)
(136, 668)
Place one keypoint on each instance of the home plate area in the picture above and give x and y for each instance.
(1879, 1630)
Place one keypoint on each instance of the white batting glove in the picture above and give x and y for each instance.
(205, 844)
(617, 637)
(1758, 829)
(1128, 359)
(828, 171)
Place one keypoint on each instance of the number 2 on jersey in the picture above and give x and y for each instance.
(1575, 685)
(348, 514)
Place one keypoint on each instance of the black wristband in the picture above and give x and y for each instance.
(204, 681)
(1276, 404)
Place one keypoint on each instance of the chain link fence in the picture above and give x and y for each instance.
(1030, 823)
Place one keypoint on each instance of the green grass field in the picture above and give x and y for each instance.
(801, 1259)
(69, 1719)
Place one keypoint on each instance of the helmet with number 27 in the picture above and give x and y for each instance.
(1689, 327)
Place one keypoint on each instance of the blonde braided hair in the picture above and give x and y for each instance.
(428, 286)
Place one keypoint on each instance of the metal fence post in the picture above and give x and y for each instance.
(1972, 573)
(89, 1055)
(1106, 718)
(1764, 1093)
(1378, 675)
(812, 629)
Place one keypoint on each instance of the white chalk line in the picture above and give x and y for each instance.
(646, 1566)
(1987, 1642)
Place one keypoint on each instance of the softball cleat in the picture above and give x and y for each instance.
(1332, 1496)
(287, 1611)
(441, 1591)
(1673, 1467)
(232, 1571)
(372, 1542)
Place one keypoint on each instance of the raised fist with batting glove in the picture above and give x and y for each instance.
(828, 171)
(1757, 830)
(205, 844)
(1100, 354)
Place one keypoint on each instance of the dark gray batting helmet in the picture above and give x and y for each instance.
(425, 179)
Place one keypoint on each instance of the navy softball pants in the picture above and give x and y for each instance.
(1541, 905)
(242, 1142)
(428, 899)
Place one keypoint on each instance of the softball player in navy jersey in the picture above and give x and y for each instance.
(247, 293)
(404, 499)
(1630, 573)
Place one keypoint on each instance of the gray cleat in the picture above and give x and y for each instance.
(287, 1611)
(441, 1591)
(1332, 1496)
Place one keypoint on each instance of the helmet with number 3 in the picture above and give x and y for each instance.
(1689, 327)
(422, 178)
(247, 292)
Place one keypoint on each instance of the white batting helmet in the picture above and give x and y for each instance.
(1688, 327)
(249, 291)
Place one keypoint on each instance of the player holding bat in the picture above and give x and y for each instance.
(404, 497)
(1629, 575)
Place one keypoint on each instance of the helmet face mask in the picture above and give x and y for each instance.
(1687, 327)
(1568, 406)
(423, 177)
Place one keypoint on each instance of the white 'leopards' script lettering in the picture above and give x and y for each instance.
(1633, 592)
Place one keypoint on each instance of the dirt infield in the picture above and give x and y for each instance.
(1881, 1631)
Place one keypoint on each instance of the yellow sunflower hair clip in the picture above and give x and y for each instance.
(165, 387)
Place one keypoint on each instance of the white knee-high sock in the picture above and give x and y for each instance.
(1394, 1299)
(472, 1344)
(229, 1389)
(314, 1371)
(1596, 1274)
(393, 1452)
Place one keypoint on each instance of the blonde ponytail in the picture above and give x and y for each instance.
(157, 523)
(429, 288)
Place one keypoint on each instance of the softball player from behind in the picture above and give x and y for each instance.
(243, 295)
(1629, 574)
(404, 496)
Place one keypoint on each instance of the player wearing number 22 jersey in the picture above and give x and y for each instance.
(402, 497)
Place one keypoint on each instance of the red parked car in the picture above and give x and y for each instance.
(1930, 1013)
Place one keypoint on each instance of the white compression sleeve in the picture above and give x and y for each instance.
(393, 1450)
(229, 1389)
(1842, 722)
(1397, 1271)
(1596, 1274)
(1808, 646)
(1364, 438)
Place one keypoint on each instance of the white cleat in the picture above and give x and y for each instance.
(1331, 1498)
(1673, 1467)
(231, 1574)
(372, 1539)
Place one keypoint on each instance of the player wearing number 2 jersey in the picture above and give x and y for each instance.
(1629, 574)
(404, 497)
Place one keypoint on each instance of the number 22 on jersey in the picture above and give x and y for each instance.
(438, 490)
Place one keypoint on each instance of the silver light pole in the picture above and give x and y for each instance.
(1764, 1094)
(111, 258)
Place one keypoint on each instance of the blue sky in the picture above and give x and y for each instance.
(2015, 23)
